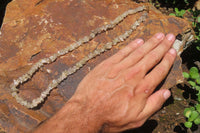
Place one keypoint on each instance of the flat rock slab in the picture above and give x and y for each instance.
(36, 29)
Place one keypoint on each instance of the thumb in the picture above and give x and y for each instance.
(155, 102)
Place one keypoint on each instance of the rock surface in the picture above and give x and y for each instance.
(197, 5)
(38, 28)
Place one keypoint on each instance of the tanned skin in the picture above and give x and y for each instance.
(118, 94)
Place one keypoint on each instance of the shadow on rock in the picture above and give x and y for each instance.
(3, 4)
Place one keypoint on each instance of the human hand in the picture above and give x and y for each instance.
(118, 93)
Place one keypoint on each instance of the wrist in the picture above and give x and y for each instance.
(87, 119)
(73, 117)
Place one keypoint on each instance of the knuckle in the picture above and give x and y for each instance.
(167, 44)
(170, 57)
(144, 87)
(139, 51)
(131, 46)
(113, 72)
(161, 70)
(122, 51)
(155, 39)
(154, 56)
(168, 61)
(134, 72)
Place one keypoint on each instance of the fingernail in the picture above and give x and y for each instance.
(167, 94)
(172, 51)
(159, 35)
(170, 37)
(139, 41)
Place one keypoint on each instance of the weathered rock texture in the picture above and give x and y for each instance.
(34, 29)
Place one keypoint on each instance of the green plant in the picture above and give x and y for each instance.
(178, 13)
(196, 27)
(193, 116)
(186, 1)
(193, 113)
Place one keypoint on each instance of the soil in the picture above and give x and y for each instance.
(170, 118)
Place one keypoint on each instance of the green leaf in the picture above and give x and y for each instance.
(192, 108)
(197, 88)
(192, 83)
(188, 124)
(186, 75)
(198, 80)
(176, 10)
(193, 24)
(198, 94)
(172, 14)
(197, 121)
(194, 75)
(198, 99)
(198, 107)
(187, 112)
(198, 19)
(194, 70)
(186, 1)
(182, 12)
(197, 37)
(193, 116)
(198, 48)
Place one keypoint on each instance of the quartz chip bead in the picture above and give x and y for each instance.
(61, 52)
(108, 46)
(137, 23)
(45, 60)
(34, 103)
(53, 57)
(92, 35)
(121, 38)
(79, 65)
(21, 79)
(126, 34)
(115, 40)
(63, 75)
(19, 99)
(14, 94)
(90, 55)
(54, 81)
(13, 88)
(48, 89)
(85, 39)
(32, 70)
(25, 103)
(16, 82)
(26, 77)
(43, 95)
(79, 43)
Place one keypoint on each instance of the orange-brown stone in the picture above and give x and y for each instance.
(35, 29)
